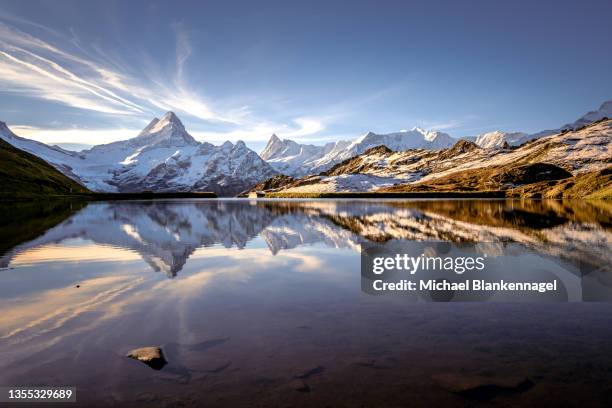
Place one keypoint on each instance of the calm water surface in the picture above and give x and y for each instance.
(253, 301)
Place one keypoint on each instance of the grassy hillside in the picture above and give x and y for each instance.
(537, 180)
(593, 185)
(22, 173)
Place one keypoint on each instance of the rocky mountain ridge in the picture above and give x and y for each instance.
(298, 160)
(163, 157)
(294, 159)
(573, 153)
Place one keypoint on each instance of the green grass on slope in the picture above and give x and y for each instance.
(24, 173)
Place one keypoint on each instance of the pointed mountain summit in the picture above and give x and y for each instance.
(289, 157)
(168, 130)
(168, 120)
(273, 139)
(273, 147)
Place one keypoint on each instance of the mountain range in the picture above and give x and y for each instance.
(291, 158)
(164, 157)
(298, 160)
(558, 162)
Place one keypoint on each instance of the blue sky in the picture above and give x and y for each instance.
(97, 71)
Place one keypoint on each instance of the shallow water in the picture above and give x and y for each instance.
(259, 303)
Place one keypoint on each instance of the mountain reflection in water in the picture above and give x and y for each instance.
(166, 233)
(265, 306)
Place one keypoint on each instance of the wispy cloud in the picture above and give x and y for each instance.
(36, 68)
(32, 67)
(452, 124)
(70, 75)
(177, 95)
(305, 126)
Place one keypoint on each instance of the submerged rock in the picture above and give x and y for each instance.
(151, 356)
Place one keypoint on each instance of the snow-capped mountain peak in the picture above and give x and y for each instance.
(274, 140)
(289, 157)
(428, 135)
(497, 139)
(274, 147)
(168, 120)
(365, 137)
(168, 130)
(163, 157)
(406, 139)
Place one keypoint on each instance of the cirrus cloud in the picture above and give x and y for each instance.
(68, 75)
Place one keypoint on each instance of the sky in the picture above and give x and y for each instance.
(79, 73)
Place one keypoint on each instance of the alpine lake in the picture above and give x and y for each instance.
(260, 303)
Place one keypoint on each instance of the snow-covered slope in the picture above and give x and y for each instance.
(291, 158)
(163, 157)
(497, 139)
(64, 160)
(585, 150)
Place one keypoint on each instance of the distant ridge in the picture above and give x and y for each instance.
(298, 160)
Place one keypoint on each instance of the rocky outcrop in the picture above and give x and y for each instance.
(459, 148)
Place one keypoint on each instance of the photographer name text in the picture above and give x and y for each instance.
(467, 285)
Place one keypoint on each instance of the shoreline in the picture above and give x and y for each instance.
(487, 194)
(7, 197)
(412, 194)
